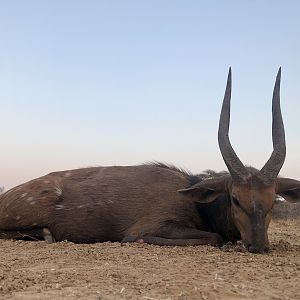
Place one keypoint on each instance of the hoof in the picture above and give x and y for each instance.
(48, 237)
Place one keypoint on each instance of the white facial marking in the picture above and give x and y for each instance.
(58, 191)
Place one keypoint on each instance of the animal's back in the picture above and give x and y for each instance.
(118, 201)
(99, 204)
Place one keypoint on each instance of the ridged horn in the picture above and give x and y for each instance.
(272, 167)
(235, 167)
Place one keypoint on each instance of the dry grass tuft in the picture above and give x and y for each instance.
(286, 210)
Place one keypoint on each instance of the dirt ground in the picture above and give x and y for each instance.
(36, 270)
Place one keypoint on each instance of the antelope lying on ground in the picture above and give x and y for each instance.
(155, 203)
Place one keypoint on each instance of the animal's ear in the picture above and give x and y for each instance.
(289, 189)
(207, 190)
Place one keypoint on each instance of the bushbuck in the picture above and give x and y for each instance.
(156, 203)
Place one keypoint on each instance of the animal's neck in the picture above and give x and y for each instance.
(217, 218)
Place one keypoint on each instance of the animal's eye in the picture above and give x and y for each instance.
(235, 201)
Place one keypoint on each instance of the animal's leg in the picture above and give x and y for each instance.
(27, 234)
(174, 231)
(178, 236)
(154, 240)
(37, 234)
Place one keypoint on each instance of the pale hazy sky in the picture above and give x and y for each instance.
(87, 83)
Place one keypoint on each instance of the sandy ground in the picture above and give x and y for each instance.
(36, 270)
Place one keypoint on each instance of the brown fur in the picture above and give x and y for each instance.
(100, 204)
(135, 203)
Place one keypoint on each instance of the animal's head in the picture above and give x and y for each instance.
(252, 192)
